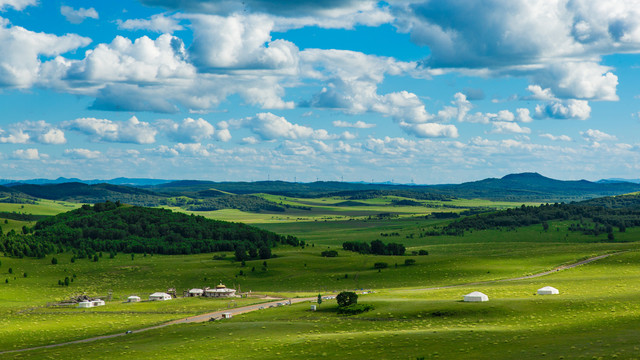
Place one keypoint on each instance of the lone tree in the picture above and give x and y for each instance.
(347, 298)
(319, 299)
(54, 261)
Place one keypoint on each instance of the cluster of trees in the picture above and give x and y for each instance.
(329, 253)
(248, 203)
(20, 216)
(16, 245)
(113, 228)
(16, 199)
(372, 194)
(376, 247)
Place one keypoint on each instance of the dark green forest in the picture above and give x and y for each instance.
(111, 227)
(592, 217)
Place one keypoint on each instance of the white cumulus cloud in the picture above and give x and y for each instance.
(592, 135)
(77, 16)
(27, 154)
(22, 51)
(508, 127)
(271, 127)
(556, 138)
(79, 153)
(157, 23)
(356, 125)
(130, 131)
(188, 131)
(569, 109)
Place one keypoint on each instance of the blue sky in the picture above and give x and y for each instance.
(405, 91)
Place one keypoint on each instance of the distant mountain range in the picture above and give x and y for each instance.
(513, 187)
(616, 180)
(62, 180)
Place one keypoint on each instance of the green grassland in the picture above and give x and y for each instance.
(596, 314)
(43, 207)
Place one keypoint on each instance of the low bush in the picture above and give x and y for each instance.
(329, 253)
(354, 309)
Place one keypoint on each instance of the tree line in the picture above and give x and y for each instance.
(376, 247)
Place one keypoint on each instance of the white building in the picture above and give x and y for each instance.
(227, 315)
(159, 296)
(85, 304)
(98, 302)
(220, 291)
(133, 298)
(548, 290)
(195, 292)
(475, 296)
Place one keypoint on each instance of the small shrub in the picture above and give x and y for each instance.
(423, 252)
(329, 253)
(380, 265)
(54, 260)
(408, 262)
(354, 309)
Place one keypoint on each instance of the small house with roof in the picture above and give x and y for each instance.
(195, 292)
(159, 296)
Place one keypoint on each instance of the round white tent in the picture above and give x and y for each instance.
(475, 296)
(133, 298)
(548, 290)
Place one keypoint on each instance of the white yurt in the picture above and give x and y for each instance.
(133, 298)
(548, 290)
(475, 297)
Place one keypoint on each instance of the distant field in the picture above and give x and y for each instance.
(43, 207)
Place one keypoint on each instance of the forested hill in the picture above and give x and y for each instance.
(83, 193)
(615, 202)
(112, 227)
(594, 217)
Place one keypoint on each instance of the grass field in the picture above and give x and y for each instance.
(596, 315)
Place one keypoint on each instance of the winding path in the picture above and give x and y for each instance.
(250, 308)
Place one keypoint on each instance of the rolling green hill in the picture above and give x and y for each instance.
(112, 228)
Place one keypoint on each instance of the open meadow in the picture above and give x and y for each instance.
(595, 315)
